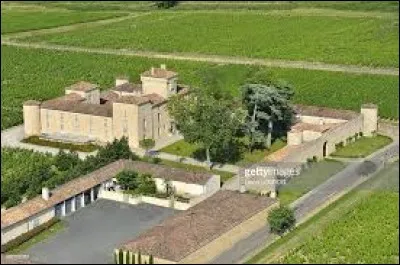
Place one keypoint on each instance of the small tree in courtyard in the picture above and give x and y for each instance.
(147, 144)
(281, 220)
(128, 180)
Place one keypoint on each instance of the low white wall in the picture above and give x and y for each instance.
(26, 225)
(131, 199)
(318, 120)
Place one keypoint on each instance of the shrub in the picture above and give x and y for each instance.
(128, 180)
(156, 160)
(139, 258)
(28, 235)
(165, 4)
(87, 147)
(314, 159)
(146, 185)
(361, 134)
(121, 257)
(309, 160)
(281, 219)
(151, 259)
(147, 144)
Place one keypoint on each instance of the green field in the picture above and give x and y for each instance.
(361, 227)
(342, 40)
(42, 74)
(362, 147)
(23, 20)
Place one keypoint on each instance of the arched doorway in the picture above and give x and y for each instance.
(324, 149)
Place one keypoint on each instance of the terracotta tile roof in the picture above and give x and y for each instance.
(324, 112)
(184, 233)
(154, 98)
(282, 153)
(31, 103)
(136, 100)
(104, 110)
(128, 87)
(81, 184)
(109, 95)
(159, 73)
(72, 97)
(82, 86)
(65, 191)
(302, 126)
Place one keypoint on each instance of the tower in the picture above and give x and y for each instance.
(370, 119)
(32, 125)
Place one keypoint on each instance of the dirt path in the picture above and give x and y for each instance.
(215, 59)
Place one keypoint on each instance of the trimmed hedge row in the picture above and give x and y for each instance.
(28, 235)
(87, 147)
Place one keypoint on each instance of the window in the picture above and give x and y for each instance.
(47, 119)
(62, 121)
(76, 122)
(105, 128)
(159, 123)
(125, 125)
(144, 128)
(90, 125)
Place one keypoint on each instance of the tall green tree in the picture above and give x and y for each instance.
(266, 105)
(204, 120)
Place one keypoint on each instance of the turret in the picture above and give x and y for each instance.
(370, 119)
(32, 125)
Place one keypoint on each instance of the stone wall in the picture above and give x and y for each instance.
(330, 138)
(388, 128)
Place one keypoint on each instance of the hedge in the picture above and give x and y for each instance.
(87, 147)
(28, 235)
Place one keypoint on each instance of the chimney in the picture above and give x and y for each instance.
(163, 66)
(121, 80)
(152, 71)
(45, 193)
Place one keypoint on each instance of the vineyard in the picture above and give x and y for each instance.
(367, 234)
(41, 74)
(17, 20)
(342, 40)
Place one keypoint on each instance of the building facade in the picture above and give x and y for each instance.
(84, 114)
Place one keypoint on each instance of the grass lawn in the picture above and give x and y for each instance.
(362, 147)
(14, 20)
(343, 40)
(346, 231)
(57, 227)
(43, 74)
(183, 148)
(310, 178)
(224, 175)
(69, 146)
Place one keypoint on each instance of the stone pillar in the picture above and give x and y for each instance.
(73, 201)
(63, 209)
(92, 194)
(83, 200)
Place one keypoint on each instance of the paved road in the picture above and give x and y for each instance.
(347, 178)
(214, 59)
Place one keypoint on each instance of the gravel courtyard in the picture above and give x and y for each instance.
(91, 234)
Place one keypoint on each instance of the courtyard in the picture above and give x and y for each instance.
(92, 233)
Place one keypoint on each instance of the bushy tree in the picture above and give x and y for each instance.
(165, 4)
(64, 161)
(266, 106)
(281, 220)
(204, 120)
(128, 180)
(146, 185)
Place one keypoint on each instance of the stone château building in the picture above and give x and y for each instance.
(84, 114)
